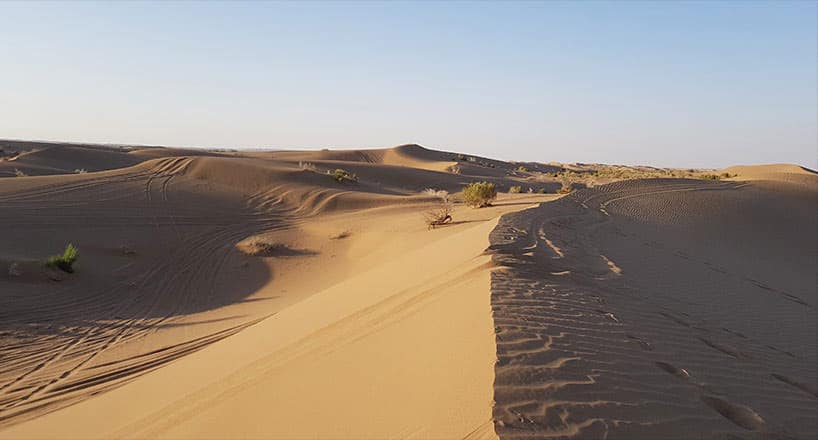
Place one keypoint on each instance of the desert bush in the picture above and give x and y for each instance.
(479, 194)
(567, 185)
(306, 166)
(65, 261)
(19, 173)
(440, 215)
(80, 171)
(439, 193)
(709, 177)
(515, 189)
(453, 169)
(542, 191)
(343, 176)
(522, 168)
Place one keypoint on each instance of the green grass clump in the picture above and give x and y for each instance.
(65, 261)
(343, 176)
(515, 190)
(479, 194)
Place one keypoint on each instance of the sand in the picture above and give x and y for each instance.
(226, 294)
(659, 309)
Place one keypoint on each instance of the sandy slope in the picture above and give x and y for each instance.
(379, 354)
(160, 277)
(659, 309)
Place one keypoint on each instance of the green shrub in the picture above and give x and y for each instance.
(515, 190)
(522, 168)
(65, 261)
(710, 177)
(344, 176)
(479, 194)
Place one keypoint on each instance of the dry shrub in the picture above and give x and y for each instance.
(440, 215)
(441, 194)
(567, 186)
(516, 190)
(306, 166)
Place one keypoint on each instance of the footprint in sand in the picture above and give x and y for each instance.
(643, 343)
(726, 349)
(741, 415)
(681, 373)
(794, 383)
(608, 315)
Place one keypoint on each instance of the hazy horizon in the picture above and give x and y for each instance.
(667, 84)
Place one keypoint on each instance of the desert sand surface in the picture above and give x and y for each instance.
(660, 309)
(224, 294)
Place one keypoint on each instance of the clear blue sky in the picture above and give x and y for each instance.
(671, 84)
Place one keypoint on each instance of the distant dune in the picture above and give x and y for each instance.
(223, 294)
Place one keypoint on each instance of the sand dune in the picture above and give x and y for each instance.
(162, 275)
(658, 309)
(229, 294)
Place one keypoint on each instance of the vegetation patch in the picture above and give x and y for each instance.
(479, 194)
(344, 176)
(64, 262)
(442, 214)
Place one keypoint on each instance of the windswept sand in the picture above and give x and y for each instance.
(659, 309)
(346, 316)
(224, 294)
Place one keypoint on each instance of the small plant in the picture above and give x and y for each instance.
(343, 176)
(80, 171)
(709, 177)
(515, 190)
(19, 173)
(441, 215)
(439, 193)
(567, 185)
(306, 166)
(455, 169)
(479, 194)
(522, 169)
(542, 191)
(65, 261)
(461, 157)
